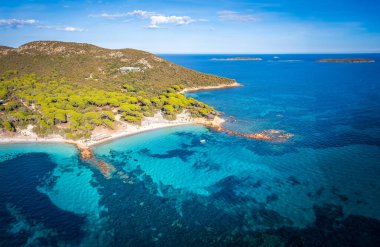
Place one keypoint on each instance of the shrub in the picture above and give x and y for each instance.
(8, 126)
(129, 88)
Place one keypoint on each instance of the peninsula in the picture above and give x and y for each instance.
(345, 60)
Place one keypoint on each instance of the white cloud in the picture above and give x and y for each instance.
(228, 15)
(136, 13)
(157, 20)
(141, 13)
(62, 28)
(109, 16)
(70, 29)
(15, 23)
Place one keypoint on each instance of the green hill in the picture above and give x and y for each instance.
(70, 88)
(89, 64)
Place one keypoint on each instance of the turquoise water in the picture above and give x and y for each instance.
(320, 188)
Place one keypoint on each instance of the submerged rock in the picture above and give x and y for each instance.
(86, 154)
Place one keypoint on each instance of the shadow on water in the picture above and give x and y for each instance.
(175, 153)
(144, 213)
(28, 216)
(141, 212)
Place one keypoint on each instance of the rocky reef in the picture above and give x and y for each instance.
(265, 135)
(86, 154)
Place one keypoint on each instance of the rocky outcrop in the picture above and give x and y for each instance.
(86, 154)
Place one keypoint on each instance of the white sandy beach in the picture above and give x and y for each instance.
(148, 124)
(27, 136)
(101, 135)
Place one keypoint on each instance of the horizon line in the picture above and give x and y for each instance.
(295, 53)
(201, 53)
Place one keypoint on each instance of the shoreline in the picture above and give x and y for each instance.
(206, 88)
(149, 124)
(31, 140)
(82, 144)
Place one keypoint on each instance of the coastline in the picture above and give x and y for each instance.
(83, 144)
(149, 124)
(26, 140)
(28, 136)
(205, 88)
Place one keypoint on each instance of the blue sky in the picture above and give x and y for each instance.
(198, 26)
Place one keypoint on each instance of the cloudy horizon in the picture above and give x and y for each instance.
(194, 27)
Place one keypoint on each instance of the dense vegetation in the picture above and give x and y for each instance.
(55, 105)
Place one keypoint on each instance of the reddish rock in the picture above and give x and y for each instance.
(86, 154)
(265, 135)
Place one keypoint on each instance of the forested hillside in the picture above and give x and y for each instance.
(99, 67)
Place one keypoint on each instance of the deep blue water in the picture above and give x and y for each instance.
(320, 188)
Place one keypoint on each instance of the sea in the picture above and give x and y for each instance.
(194, 186)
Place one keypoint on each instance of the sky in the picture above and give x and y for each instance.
(198, 26)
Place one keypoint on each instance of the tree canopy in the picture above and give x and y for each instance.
(54, 105)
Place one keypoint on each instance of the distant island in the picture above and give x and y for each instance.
(239, 59)
(345, 60)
